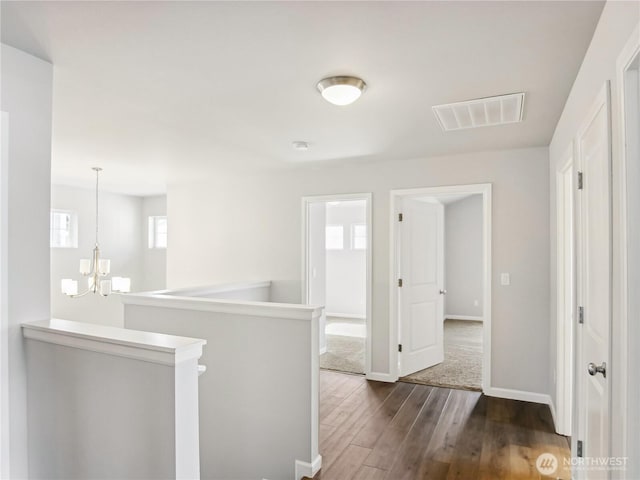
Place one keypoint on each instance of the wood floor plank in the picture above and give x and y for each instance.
(465, 461)
(543, 440)
(452, 421)
(325, 432)
(370, 473)
(510, 448)
(348, 464)
(329, 382)
(371, 431)
(332, 395)
(389, 443)
(351, 416)
(432, 470)
(522, 462)
(413, 449)
(366, 393)
(494, 459)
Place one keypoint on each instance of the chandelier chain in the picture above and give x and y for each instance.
(97, 169)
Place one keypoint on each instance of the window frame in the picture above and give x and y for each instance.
(353, 236)
(326, 234)
(152, 224)
(72, 230)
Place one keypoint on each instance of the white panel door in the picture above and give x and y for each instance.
(422, 272)
(594, 284)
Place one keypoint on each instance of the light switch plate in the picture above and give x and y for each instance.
(505, 279)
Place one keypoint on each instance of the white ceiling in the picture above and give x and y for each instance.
(156, 91)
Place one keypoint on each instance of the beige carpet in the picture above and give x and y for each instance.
(344, 354)
(345, 345)
(462, 366)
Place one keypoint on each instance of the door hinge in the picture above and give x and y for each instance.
(400, 347)
(580, 181)
(580, 314)
(399, 282)
(400, 217)
(579, 448)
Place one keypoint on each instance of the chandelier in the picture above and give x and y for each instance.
(96, 269)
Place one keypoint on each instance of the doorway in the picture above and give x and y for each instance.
(593, 284)
(336, 274)
(4, 318)
(628, 76)
(440, 285)
(565, 280)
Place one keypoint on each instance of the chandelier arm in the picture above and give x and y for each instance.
(78, 295)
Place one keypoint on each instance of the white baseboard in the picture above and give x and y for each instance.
(306, 469)
(518, 395)
(381, 377)
(463, 317)
(347, 315)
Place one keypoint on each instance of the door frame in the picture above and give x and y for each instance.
(367, 197)
(566, 291)
(601, 100)
(396, 197)
(629, 356)
(4, 317)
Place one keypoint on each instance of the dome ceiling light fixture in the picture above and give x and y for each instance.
(341, 90)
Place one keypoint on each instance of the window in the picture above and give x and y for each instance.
(63, 231)
(358, 236)
(157, 232)
(334, 237)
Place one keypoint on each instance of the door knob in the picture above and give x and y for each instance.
(594, 369)
(443, 292)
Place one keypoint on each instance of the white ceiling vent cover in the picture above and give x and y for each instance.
(482, 112)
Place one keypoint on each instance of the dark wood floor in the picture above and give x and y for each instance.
(376, 431)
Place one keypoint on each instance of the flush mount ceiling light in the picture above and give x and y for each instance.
(342, 90)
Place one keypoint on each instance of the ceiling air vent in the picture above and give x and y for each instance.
(481, 112)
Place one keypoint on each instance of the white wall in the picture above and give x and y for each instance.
(616, 24)
(154, 260)
(251, 227)
(26, 97)
(121, 240)
(347, 268)
(463, 257)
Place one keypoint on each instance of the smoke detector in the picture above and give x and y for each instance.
(300, 146)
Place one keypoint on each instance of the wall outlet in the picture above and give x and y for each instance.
(505, 279)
